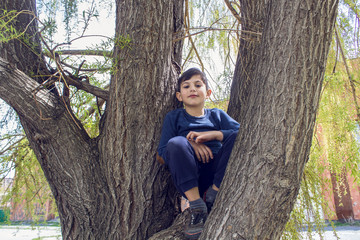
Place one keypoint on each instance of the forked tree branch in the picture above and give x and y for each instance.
(176, 230)
(78, 82)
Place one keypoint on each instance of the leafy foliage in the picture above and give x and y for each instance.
(8, 30)
(335, 148)
(30, 189)
(211, 38)
(349, 23)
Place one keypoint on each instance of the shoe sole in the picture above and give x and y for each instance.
(193, 235)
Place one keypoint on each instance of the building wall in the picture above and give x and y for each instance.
(346, 207)
(18, 212)
(355, 195)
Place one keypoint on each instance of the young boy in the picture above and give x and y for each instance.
(196, 144)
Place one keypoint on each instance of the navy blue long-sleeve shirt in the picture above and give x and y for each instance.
(179, 123)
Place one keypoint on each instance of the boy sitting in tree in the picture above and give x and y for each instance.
(196, 144)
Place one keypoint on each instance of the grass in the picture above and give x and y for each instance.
(51, 237)
(30, 223)
(353, 223)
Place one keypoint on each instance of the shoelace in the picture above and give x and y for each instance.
(193, 218)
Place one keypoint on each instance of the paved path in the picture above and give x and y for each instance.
(29, 233)
(54, 233)
(344, 233)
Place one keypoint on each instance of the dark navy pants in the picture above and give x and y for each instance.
(188, 172)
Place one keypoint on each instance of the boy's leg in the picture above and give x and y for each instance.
(220, 164)
(183, 166)
(206, 176)
(192, 194)
(222, 158)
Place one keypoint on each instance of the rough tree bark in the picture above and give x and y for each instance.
(275, 97)
(109, 187)
(16, 51)
(141, 92)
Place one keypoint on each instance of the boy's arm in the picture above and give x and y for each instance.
(167, 132)
(201, 137)
(227, 124)
(203, 152)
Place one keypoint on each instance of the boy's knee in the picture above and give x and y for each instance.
(178, 150)
(176, 143)
(233, 134)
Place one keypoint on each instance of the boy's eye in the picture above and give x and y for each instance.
(198, 85)
(186, 86)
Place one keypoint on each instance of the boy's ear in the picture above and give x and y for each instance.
(178, 96)
(208, 93)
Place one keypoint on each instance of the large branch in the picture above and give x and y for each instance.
(62, 146)
(87, 87)
(19, 91)
(78, 81)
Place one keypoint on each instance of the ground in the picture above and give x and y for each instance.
(20, 232)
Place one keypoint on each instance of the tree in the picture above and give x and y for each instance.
(275, 95)
(110, 187)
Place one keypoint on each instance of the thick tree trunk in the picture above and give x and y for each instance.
(142, 91)
(110, 187)
(275, 98)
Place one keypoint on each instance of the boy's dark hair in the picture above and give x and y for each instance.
(188, 74)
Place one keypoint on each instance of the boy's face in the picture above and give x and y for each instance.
(193, 92)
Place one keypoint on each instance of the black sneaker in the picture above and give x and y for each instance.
(196, 225)
(208, 201)
(209, 205)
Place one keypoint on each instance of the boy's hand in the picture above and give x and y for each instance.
(203, 152)
(200, 137)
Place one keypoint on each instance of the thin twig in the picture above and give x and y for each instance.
(206, 29)
(232, 10)
(85, 69)
(187, 24)
(352, 85)
(12, 146)
(75, 39)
